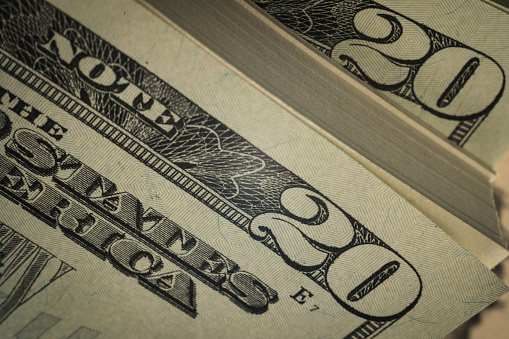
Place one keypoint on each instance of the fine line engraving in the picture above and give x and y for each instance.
(26, 270)
(396, 54)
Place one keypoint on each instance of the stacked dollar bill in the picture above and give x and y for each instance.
(148, 190)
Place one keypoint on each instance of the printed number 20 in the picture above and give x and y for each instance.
(456, 83)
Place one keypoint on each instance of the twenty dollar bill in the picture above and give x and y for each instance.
(445, 62)
(148, 191)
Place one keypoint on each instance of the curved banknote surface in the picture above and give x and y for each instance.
(444, 61)
(176, 200)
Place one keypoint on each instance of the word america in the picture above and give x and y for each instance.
(100, 218)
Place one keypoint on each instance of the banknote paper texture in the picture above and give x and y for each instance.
(444, 61)
(185, 203)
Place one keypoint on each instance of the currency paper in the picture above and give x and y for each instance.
(445, 62)
(148, 191)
